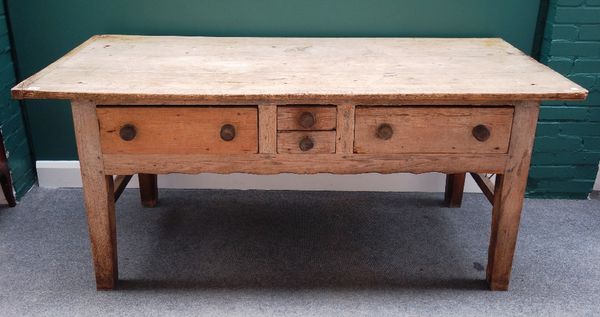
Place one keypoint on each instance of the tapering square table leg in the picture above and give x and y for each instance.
(455, 186)
(508, 197)
(148, 189)
(98, 190)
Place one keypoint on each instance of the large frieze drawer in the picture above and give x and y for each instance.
(178, 130)
(432, 129)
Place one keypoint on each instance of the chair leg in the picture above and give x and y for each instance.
(5, 179)
(148, 189)
(7, 189)
(455, 186)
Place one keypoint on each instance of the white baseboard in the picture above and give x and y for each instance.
(54, 174)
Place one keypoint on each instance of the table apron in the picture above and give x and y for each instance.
(127, 164)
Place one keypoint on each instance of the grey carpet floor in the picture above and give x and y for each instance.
(285, 253)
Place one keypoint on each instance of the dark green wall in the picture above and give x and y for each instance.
(567, 145)
(44, 30)
(12, 125)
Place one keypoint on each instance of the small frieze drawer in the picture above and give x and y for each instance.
(306, 142)
(306, 117)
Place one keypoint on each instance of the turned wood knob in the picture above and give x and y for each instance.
(127, 132)
(385, 131)
(227, 132)
(306, 143)
(481, 133)
(307, 120)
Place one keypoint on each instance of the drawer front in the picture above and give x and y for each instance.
(432, 129)
(306, 117)
(309, 142)
(178, 130)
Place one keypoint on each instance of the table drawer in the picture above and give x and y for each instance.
(310, 142)
(306, 117)
(178, 130)
(432, 129)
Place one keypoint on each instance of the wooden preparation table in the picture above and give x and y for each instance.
(152, 105)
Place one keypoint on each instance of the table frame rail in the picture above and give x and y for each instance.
(101, 190)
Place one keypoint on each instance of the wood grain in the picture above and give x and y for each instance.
(432, 129)
(172, 68)
(345, 129)
(508, 197)
(178, 92)
(267, 129)
(303, 164)
(288, 117)
(178, 130)
(289, 141)
(98, 191)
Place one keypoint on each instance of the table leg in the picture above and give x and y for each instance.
(98, 191)
(455, 186)
(508, 197)
(148, 189)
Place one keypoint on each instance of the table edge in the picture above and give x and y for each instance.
(23, 91)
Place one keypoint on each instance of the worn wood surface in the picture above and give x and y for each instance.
(345, 129)
(289, 141)
(432, 129)
(288, 117)
(98, 191)
(431, 92)
(178, 130)
(267, 129)
(303, 164)
(455, 187)
(508, 197)
(175, 69)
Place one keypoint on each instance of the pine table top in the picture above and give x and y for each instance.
(172, 68)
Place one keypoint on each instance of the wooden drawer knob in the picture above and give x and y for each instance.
(385, 131)
(306, 143)
(227, 132)
(481, 133)
(127, 132)
(307, 120)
